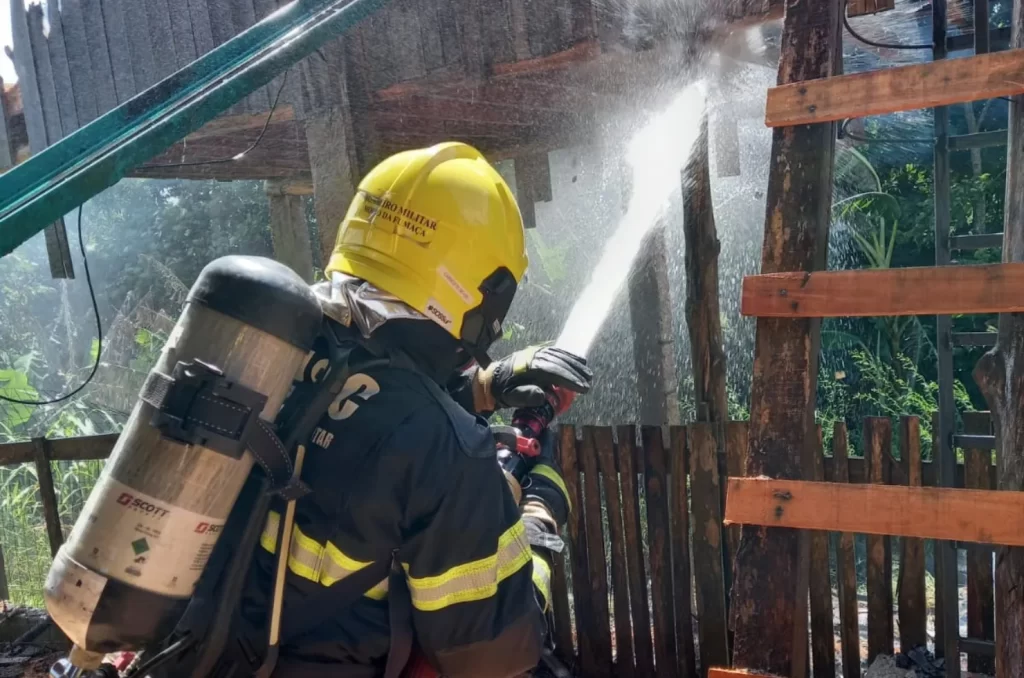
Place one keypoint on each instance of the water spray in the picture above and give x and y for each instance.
(655, 155)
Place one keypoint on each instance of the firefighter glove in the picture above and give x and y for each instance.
(521, 379)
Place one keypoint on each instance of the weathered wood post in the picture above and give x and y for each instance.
(704, 325)
(288, 229)
(1000, 375)
(770, 586)
(341, 139)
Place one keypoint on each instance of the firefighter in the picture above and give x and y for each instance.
(406, 489)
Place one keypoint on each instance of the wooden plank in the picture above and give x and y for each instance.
(605, 446)
(79, 60)
(47, 495)
(657, 540)
(598, 626)
(5, 591)
(61, 71)
(902, 88)
(913, 608)
(735, 673)
(560, 608)
(992, 288)
(980, 602)
(823, 646)
(708, 569)
(682, 589)
(735, 467)
(985, 517)
(626, 455)
(864, 7)
(577, 544)
(771, 583)
(61, 449)
(846, 567)
(878, 443)
(118, 47)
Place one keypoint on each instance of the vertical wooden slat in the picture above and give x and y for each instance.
(183, 33)
(61, 71)
(5, 591)
(846, 566)
(44, 74)
(79, 60)
(577, 546)
(709, 575)
(913, 609)
(823, 646)
(47, 495)
(980, 602)
(878, 443)
(626, 455)
(682, 589)
(620, 588)
(598, 626)
(560, 607)
(657, 540)
(560, 593)
(99, 54)
(6, 152)
(735, 467)
(119, 48)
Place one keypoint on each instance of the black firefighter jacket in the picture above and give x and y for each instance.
(397, 464)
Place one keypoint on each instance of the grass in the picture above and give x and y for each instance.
(23, 537)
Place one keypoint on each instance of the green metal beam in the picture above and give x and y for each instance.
(62, 177)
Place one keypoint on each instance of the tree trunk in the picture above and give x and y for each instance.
(770, 589)
(981, 204)
(1000, 375)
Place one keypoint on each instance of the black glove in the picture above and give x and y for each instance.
(521, 379)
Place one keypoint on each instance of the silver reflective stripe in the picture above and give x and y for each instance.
(475, 580)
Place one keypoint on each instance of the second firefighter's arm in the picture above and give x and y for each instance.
(476, 584)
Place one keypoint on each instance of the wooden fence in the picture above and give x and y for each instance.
(642, 587)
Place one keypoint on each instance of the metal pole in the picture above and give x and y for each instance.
(945, 551)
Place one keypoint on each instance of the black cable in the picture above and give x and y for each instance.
(237, 156)
(880, 45)
(163, 656)
(99, 330)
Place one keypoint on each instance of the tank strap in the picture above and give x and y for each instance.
(197, 405)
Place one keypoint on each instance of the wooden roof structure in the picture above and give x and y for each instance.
(509, 76)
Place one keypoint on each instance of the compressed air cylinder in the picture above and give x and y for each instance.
(135, 554)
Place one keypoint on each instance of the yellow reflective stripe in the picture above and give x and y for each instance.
(475, 580)
(307, 558)
(270, 529)
(542, 579)
(545, 471)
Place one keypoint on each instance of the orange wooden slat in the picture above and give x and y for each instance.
(903, 88)
(992, 288)
(980, 516)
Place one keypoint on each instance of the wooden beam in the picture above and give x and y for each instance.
(992, 288)
(735, 673)
(903, 88)
(61, 449)
(979, 516)
(48, 495)
(864, 7)
(230, 124)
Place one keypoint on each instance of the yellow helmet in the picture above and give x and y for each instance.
(440, 229)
